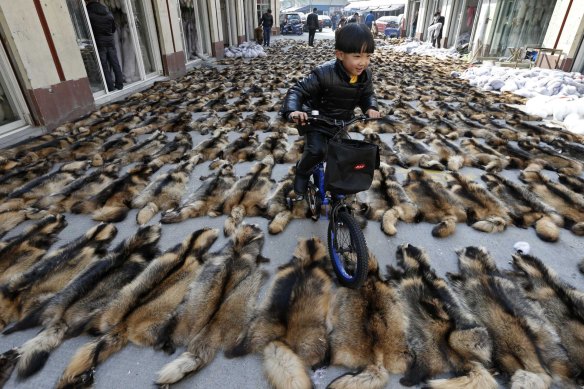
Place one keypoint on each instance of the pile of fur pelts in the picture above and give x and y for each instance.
(245, 50)
(524, 326)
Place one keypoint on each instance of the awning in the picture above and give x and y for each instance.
(375, 5)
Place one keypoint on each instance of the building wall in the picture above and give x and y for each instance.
(171, 46)
(570, 35)
(41, 43)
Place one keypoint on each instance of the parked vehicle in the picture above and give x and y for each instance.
(293, 27)
(389, 25)
(290, 16)
(324, 21)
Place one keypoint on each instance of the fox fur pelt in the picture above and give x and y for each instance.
(289, 328)
(77, 307)
(141, 307)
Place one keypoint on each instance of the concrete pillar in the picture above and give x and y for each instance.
(215, 23)
(571, 34)
(169, 36)
(41, 41)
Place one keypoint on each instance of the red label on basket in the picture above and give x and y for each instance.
(359, 166)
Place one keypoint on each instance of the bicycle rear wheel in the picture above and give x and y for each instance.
(348, 250)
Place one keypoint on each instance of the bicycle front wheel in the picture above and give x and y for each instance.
(348, 250)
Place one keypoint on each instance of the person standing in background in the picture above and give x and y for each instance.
(312, 24)
(354, 18)
(369, 19)
(104, 27)
(267, 21)
(438, 23)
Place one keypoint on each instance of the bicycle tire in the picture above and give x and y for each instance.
(314, 200)
(352, 278)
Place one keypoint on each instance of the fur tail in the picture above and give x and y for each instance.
(279, 222)
(146, 213)
(373, 377)
(234, 220)
(491, 224)
(79, 372)
(283, 368)
(445, 228)
(389, 220)
(35, 352)
(7, 364)
(526, 379)
(455, 162)
(477, 378)
(185, 364)
(111, 214)
(547, 230)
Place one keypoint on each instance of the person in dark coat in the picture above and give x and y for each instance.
(267, 21)
(312, 24)
(438, 21)
(104, 27)
(335, 89)
(354, 18)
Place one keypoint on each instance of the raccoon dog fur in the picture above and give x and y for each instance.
(237, 284)
(141, 307)
(206, 198)
(562, 304)
(443, 334)
(76, 308)
(219, 276)
(289, 327)
(525, 345)
(368, 329)
(435, 202)
(25, 290)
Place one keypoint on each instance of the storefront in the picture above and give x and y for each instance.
(135, 40)
(14, 114)
(195, 29)
(518, 23)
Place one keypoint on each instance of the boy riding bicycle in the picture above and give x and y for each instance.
(335, 89)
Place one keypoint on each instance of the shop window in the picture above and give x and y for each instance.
(262, 7)
(13, 110)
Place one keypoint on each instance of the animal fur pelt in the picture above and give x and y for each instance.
(526, 347)
(249, 192)
(565, 201)
(485, 157)
(21, 175)
(435, 203)
(23, 291)
(525, 208)
(242, 149)
(173, 151)
(280, 206)
(554, 160)
(289, 328)
(274, 145)
(416, 153)
(294, 153)
(141, 307)
(443, 335)
(148, 147)
(386, 152)
(450, 154)
(83, 187)
(77, 307)
(111, 203)
(212, 148)
(368, 329)
(484, 211)
(20, 252)
(165, 192)
(562, 304)
(112, 149)
(206, 198)
(221, 301)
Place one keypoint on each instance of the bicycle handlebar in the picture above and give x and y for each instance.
(337, 122)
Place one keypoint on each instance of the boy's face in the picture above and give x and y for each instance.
(354, 63)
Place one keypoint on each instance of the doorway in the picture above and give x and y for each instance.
(135, 39)
(14, 113)
(194, 28)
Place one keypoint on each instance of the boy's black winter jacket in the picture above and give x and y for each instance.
(327, 89)
(102, 24)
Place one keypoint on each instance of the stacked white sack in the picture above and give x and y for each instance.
(424, 48)
(551, 93)
(245, 50)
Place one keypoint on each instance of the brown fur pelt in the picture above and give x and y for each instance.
(368, 329)
(289, 328)
(77, 307)
(142, 306)
(526, 347)
(443, 335)
(435, 203)
(275, 145)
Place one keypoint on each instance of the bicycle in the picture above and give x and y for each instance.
(345, 240)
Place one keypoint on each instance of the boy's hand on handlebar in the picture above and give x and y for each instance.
(373, 113)
(298, 117)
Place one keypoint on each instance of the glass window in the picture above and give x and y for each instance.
(141, 20)
(7, 111)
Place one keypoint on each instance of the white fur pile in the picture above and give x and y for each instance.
(424, 48)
